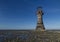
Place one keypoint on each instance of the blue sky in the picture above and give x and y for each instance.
(21, 14)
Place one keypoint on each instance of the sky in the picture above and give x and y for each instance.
(21, 14)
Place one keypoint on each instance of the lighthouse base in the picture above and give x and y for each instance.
(40, 27)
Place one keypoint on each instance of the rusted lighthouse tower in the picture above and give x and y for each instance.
(40, 25)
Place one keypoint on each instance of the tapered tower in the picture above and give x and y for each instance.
(40, 25)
